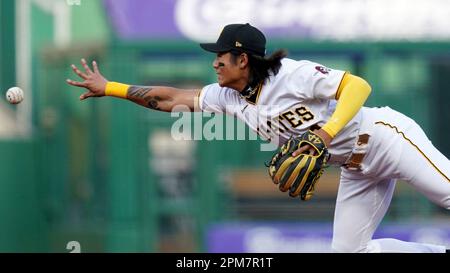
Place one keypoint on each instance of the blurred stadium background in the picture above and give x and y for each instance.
(107, 173)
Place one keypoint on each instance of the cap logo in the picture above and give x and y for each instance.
(237, 44)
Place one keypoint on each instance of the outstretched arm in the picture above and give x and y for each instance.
(162, 98)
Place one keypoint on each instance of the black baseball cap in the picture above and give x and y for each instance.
(239, 37)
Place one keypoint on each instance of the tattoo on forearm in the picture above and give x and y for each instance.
(142, 92)
(138, 92)
(152, 102)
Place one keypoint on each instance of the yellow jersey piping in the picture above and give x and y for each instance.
(198, 100)
(258, 92)
(338, 94)
(415, 146)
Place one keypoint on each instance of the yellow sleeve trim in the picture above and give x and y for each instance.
(199, 94)
(352, 94)
(116, 89)
(343, 82)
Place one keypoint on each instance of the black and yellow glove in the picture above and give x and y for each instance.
(299, 174)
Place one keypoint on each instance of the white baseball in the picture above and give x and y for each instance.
(14, 95)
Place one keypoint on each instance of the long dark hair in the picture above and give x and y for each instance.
(260, 67)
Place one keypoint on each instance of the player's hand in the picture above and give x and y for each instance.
(93, 80)
(310, 150)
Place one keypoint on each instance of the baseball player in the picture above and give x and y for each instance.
(373, 146)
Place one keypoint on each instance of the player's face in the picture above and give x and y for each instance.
(228, 70)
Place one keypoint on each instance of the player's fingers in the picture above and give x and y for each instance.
(86, 66)
(301, 150)
(78, 72)
(74, 83)
(95, 66)
(86, 95)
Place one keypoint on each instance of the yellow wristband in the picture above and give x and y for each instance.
(116, 89)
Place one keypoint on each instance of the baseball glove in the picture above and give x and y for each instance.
(299, 174)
